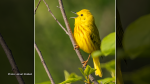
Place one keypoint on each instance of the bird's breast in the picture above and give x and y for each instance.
(82, 37)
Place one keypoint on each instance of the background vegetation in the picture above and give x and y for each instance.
(17, 29)
(135, 18)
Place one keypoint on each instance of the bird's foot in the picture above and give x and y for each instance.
(76, 47)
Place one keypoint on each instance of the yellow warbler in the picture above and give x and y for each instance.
(87, 36)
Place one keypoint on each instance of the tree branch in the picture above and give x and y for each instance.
(11, 60)
(55, 17)
(37, 6)
(44, 64)
(72, 38)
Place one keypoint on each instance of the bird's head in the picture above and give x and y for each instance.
(83, 17)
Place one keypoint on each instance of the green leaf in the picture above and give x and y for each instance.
(97, 53)
(47, 82)
(107, 81)
(136, 41)
(66, 74)
(73, 75)
(108, 44)
(81, 70)
(89, 70)
(72, 78)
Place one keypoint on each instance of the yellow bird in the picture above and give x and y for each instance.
(87, 36)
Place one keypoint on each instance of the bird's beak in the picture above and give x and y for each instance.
(74, 13)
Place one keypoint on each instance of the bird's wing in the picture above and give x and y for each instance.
(95, 38)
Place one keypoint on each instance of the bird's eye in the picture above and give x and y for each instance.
(81, 14)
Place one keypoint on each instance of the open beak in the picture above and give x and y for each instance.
(74, 13)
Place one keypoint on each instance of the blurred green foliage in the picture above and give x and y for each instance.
(136, 41)
(56, 46)
(136, 44)
(110, 66)
(140, 76)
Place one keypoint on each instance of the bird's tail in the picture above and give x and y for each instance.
(97, 66)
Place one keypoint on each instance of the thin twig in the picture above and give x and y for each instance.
(72, 38)
(55, 17)
(11, 60)
(37, 6)
(44, 64)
